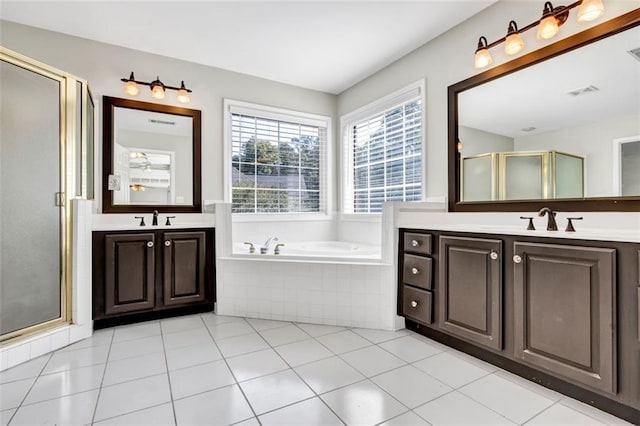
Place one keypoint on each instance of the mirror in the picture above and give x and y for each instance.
(151, 157)
(557, 127)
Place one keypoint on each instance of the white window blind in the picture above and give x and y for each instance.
(384, 158)
(276, 164)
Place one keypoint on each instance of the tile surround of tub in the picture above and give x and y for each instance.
(81, 327)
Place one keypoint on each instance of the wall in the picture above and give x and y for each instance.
(103, 65)
(476, 141)
(595, 141)
(449, 59)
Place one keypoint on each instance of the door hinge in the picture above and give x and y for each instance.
(60, 199)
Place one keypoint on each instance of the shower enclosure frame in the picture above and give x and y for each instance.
(76, 109)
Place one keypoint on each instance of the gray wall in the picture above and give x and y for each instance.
(476, 141)
(449, 59)
(103, 65)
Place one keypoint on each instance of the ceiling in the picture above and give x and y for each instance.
(324, 45)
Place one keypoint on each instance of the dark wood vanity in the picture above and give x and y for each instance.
(561, 312)
(139, 275)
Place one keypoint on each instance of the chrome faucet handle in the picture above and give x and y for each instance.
(570, 227)
(276, 250)
(530, 226)
(252, 249)
(141, 220)
(168, 222)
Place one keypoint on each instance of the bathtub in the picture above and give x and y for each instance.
(320, 250)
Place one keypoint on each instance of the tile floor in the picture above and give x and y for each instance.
(214, 370)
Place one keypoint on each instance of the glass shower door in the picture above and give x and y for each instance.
(31, 222)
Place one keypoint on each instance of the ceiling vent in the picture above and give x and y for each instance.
(635, 53)
(583, 91)
(170, 123)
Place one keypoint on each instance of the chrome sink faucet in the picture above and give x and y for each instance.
(265, 248)
(551, 218)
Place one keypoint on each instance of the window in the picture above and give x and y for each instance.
(277, 160)
(383, 152)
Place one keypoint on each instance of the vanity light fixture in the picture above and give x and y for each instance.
(137, 187)
(158, 88)
(547, 27)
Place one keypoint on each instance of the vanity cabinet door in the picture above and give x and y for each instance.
(129, 272)
(470, 292)
(565, 311)
(184, 267)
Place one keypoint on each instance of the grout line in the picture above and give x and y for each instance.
(166, 364)
(106, 363)
(35, 379)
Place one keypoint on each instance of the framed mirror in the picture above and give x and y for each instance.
(151, 157)
(558, 127)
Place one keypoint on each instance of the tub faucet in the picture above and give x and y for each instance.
(155, 218)
(265, 248)
(551, 218)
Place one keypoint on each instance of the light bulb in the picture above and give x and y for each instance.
(483, 58)
(513, 42)
(157, 89)
(131, 88)
(547, 28)
(590, 10)
(183, 94)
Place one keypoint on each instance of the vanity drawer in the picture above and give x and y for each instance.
(417, 304)
(416, 270)
(417, 243)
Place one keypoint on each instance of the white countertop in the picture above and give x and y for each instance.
(127, 222)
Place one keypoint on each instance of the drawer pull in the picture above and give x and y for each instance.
(493, 255)
(149, 244)
(415, 271)
(414, 304)
(414, 243)
(167, 243)
(517, 259)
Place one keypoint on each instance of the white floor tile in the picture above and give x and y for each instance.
(230, 329)
(133, 348)
(132, 396)
(283, 335)
(263, 324)
(528, 384)
(249, 422)
(134, 368)
(410, 349)
(66, 383)
(69, 410)
(372, 360)
(192, 355)
(241, 344)
(61, 361)
(12, 394)
(344, 341)
(312, 412)
(457, 409)
(179, 324)
(593, 412)
(363, 403)
(315, 330)
(182, 339)
(256, 364)
(160, 415)
(223, 406)
(200, 378)
(411, 386)
(513, 401)
(328, 374)
(262, 397)
(24, 371)
(302, 352)
(562, 415)
(379, 336)
(98, 338)
(211, 319)
(5, 416)
(136, 331)
(451, 369)
(407, 419)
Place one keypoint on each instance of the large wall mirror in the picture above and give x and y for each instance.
(151, 156)
(557, 127)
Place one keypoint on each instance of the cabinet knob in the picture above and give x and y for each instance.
(493, 255)
(167, 243)
(414, 243)
(415, 271)
(414, 304)
(517, 259)
(149, 244)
